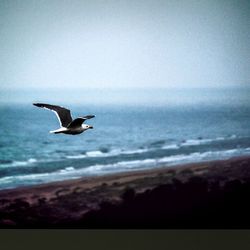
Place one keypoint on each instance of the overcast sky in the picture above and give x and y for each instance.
(119, 44)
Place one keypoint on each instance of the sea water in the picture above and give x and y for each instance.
(124, 138)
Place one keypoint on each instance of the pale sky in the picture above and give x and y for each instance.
(124, 44)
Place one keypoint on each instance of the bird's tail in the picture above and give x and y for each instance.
(58, 131)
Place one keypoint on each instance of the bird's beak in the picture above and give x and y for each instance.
(91, 127)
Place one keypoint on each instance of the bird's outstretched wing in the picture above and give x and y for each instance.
(62, 114)
(79, 121)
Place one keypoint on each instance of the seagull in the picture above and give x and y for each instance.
(68, 125)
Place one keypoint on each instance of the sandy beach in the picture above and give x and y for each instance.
(199, 195)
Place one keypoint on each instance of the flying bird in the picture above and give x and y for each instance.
(68, 125)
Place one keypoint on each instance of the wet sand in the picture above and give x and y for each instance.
(167, 197)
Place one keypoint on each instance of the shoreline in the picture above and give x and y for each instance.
(65, 203)
(92, 181)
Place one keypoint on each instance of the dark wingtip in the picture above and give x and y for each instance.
(89, 116)
(40, 105)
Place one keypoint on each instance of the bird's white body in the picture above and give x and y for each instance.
(73, 131)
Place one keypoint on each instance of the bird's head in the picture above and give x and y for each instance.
(86, 126)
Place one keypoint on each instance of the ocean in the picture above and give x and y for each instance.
(124, 138)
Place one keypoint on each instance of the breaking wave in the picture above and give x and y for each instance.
(121, 166)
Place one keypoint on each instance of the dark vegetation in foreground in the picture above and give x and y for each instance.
(195, 203)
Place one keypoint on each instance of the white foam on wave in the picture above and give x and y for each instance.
(23, 163)
(136, 151)
(114, 152)
(209, 155)
(30, 161)
(192, 142)
(171, 146)
(171, 158)
(116, 167)
(81, 156)
(130, 164)
(67, 169)
(220, 138)
(193, 157)
(96, 153)
(19, 163)
(15, 178)
(14, 164)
